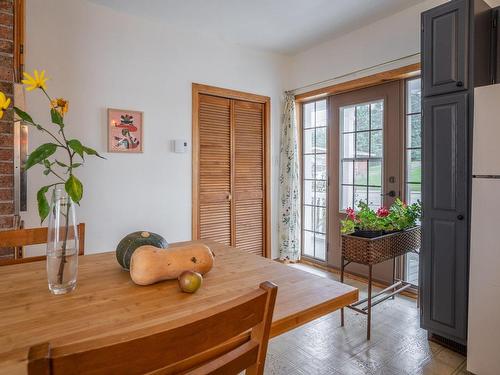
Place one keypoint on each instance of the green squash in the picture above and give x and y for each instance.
(132, 241)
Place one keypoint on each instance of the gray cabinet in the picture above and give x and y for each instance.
(444, 40)
(456, 57)
(444, 253)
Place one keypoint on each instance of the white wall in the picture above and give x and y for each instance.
(98, 58)
(390, 38)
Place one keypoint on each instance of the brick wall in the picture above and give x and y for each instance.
(6, 123)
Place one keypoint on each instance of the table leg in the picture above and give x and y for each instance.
(342, 280)
(369, 310)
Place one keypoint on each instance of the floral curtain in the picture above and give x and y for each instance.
(289, 188)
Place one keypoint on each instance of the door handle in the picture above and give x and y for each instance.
(460, 217)
(460, 84)
(391, 193)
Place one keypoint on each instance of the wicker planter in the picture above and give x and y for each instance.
(379, 249)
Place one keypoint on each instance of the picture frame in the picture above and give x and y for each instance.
(125, 130)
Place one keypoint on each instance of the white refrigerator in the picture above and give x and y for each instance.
(483, 345)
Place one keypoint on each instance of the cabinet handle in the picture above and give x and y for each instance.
(460, 84)
(460, 217)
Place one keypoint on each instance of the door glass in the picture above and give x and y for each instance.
(362, 152)
(413, 165)
(315, 176)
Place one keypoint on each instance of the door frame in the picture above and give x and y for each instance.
(199, 89)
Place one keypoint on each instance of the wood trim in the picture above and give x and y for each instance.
(363, 82)
(198, 89)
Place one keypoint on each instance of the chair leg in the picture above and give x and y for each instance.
(342, 280)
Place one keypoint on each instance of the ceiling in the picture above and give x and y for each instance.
(282, 26)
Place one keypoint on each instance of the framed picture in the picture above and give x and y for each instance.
(125, 130)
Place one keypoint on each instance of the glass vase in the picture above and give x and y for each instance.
(62, 244)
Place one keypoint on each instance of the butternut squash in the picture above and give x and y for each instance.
(150, 264)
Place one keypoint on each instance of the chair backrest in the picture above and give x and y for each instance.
(211, 342)
(33, 236)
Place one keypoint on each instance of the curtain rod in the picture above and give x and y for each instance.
(352, 73)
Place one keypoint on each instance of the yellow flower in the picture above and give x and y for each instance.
(60, 105)
(4, 103)
(37, 81)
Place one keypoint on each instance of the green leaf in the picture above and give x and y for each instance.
(43, 205)
(23, 115)
(76, 165)
(40, 154)
(76, 146)
(46, 163)
(46, 172)
(56, 117)
(61, 164)
(74, 188)
(80, 149)
(90, 151)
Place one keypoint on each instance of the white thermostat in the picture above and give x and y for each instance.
(180, 145)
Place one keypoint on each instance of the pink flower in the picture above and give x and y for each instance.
(351, 214)
(382, 212)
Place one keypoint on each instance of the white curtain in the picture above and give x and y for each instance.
(289, 189)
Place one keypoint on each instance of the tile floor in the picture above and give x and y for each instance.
(398, 345)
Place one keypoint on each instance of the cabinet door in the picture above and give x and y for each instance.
(444, 48)
(249, 176)
(444, 250)
(214, 210)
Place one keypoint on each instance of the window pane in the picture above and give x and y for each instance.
(362, 117)
(321, 193)
(413, 193)
(347, 172)
(347, 197)
(347, 118)
(361, 173)
(377, 115)
(360, 194)
(414, 166)
(362, 144)
(309, 117)
(413, 95)
(308, 243)
(348, 145)
(320, 220)
(374, 197)
(377, 144)
(321, 173)
(320, 246)
(321, 140)
(309, 217)
(309, 167)
(309, 141)
(375, 173)
(321, 113)
(309, 192)
(413, 131)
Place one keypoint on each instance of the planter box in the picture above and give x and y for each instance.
(375, 250)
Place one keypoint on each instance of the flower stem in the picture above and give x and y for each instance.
(60, 273)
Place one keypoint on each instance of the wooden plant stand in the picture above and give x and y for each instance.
(370, 251)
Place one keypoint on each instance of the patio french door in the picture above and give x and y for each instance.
(365, 163)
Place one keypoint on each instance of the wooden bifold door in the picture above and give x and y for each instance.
(230, 164)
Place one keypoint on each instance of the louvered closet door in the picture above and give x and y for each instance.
(214, 169)
(248, 127)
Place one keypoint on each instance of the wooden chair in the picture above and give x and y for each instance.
(217, 341)
(33, 236)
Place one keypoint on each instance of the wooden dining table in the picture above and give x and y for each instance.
(106, 303)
